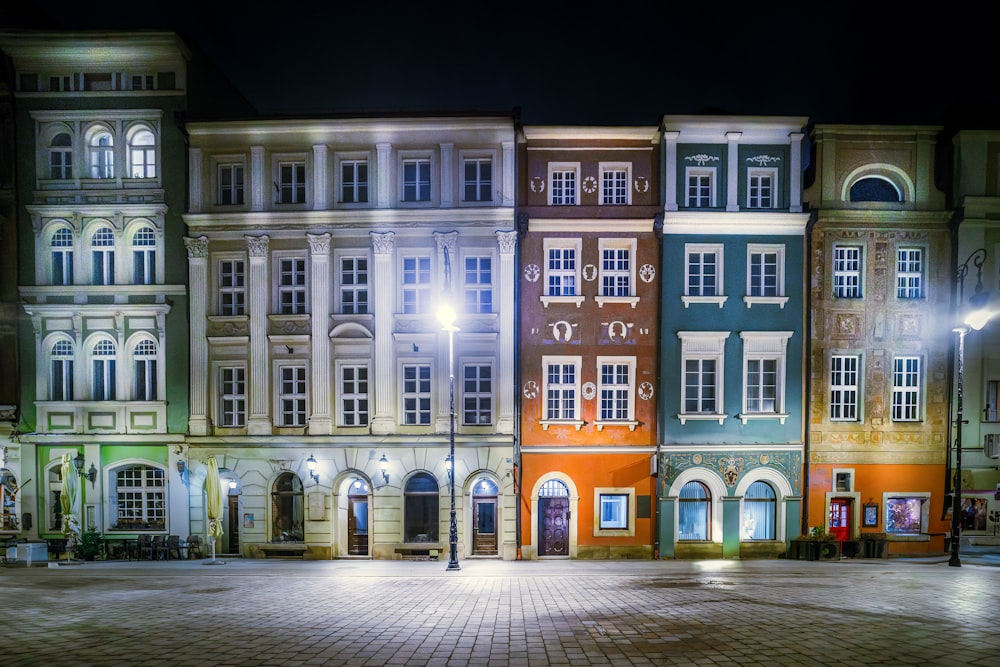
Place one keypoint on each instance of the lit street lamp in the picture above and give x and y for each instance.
(976, 319)
(446, 315)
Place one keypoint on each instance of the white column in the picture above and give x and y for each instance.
(795, 175)
(383, 365)
(733, 165)
(320, 422)
(505, 281)
(446, 241)
(198, 279)
(258, 373)
(258, 182)
(447, 175)
(319, 178)
(383, 176)
(670, 202)
(194, 183)
(507, 192)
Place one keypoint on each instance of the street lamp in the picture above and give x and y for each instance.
(446, 315)
(975, 319)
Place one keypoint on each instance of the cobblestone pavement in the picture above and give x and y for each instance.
(492, 613)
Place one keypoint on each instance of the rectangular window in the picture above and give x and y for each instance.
(700, 391)
(292, 285)
(477, 394)
(141, 494)
(560, 272)
(615, 390)
(563, 185)
(61, 84)
(760, 188)
(141, 82)
(906, 389)
(990, 412)
(416, 180)
(616, 271)
(354, 395)
(354, 285)
(232, 396)
(61, 163)
(354, 181)
(61, 378)
(847, 272)
(416, 284)
(478, 180)
(614, 184)
(704, 269)
(478, 285)
(844, 387)
(230, 185)
(614, 511)
(700, 188)
(232, 287)
(562, 389)
(766, 266)
(291, 183)
(103, 259)
(145, 378)
(292, 395)
(62, 257)
(904, 515)
(761, 386)
(104, 379)
(909, 273)
(416, 394)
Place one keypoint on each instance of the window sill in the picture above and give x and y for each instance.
(546, 300)
(695, 416)
(751, 300)
(631, 424)
(748, 416)
(601, 300)
(688, 300)
(546, 423)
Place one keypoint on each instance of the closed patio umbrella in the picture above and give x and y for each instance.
(213, 496)
(68, 500)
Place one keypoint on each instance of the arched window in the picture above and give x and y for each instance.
(61, 157)
(420, 508)
(875, 189)
(758, 512)
(61, 371)
(62, 257)
(145, 371)
(287, 512)
(103, 377)
(144, 256)
(141, 493)
(103, 257)
(8, 501)
(102, 155)
(142, 154)
(694, 512)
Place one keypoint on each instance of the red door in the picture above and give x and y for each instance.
(840, 518)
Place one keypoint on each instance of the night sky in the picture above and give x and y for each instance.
(585, 62)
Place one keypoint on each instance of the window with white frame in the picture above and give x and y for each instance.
(292, 395)
(477, 179)
(102, 255)
(845, 383)
(478, 284)
(353, 395)
(703, 274)
(694, 512)
(291, 285)
(232, 396)
(564, 185)
(561, 389)
(61, 371)
(416, 284)
(700, 183)
(762, 184)
(144, 378)
(230, 185)
(765, 274)
(615, 178)
(906, 382)
(616, 391)
(906, 513)
(102, 376)
(291, 183)
(354, 181)
(232, 287)
(562, 270)
(764, 358)
(702, 364)
(613, 511)
(144, 256)
(416, 394)
(909, 273)
(61, 247)
(140, 493)
(759, 512)
(477, 394)
(142, 154)
(353, 276)
(617, 270)
(416, 180)
(102, 155)
(61, 157)
(847, 271)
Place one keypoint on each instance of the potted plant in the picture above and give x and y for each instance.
(89, 546)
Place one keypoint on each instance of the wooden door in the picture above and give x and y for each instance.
(234, 524)
(357, 525)
(840, 519)
(484, 531)
(553, 527)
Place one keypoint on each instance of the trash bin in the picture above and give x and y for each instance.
(30, 552)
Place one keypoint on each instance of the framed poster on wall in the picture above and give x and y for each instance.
(870, 517)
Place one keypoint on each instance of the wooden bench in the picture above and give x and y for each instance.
(294, 550)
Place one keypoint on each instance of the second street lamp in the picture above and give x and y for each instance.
(446, 315)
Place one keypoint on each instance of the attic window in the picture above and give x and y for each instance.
(875, 189)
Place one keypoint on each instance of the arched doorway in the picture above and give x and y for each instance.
(553, 524)
(357, 518)
(484, 517)
(287, 509)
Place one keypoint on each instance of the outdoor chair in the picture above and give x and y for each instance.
(145, 547)
(159, 547)
(172, 546)
(193, 546)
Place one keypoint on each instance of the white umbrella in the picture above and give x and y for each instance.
(68, 500)
(213, 495)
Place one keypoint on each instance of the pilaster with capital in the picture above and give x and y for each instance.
(383, 175)
(733, 166)
(446, 243)
(258, 288)
(506, 280)
(507, 193)
(319, 177)
(194, 183)
(383, 369)
(670, 176)
(795, 173)
(447, 175)
(197, 252)
(320, 422)
(256, 178)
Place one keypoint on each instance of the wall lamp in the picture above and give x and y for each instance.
(180, 466)
(383, 465)
(78, 462)
(311, 464)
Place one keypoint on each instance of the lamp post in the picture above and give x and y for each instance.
(976, 319)
(446, 315)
